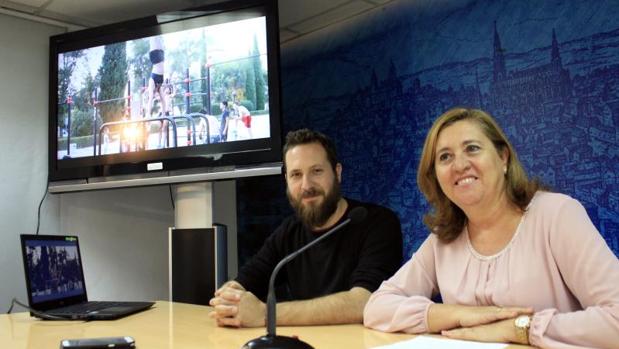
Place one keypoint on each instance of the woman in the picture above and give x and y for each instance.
(512, 263)
(156, 56)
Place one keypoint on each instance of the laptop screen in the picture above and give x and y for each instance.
(53, 268)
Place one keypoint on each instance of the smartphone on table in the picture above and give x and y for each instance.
(98, 343)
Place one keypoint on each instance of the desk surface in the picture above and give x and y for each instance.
(178, 326)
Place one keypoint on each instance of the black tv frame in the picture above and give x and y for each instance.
(243, 154)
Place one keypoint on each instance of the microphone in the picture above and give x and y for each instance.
(272, 340)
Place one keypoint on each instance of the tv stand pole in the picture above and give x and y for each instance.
(194, 205)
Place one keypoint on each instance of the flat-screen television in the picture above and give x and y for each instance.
(187, 89)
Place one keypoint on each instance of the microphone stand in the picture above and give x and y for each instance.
(272, 340)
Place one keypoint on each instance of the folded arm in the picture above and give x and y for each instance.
(591, 271)
(338, 308)
(403, 303)
(233, 306)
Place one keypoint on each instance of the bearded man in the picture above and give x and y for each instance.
(330, 282)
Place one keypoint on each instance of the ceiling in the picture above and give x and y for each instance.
(297, 17)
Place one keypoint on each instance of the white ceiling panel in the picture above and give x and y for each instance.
(28, 3)
(287, 35)
(297, 17)
(294, 11)
(334, 15)
(110, 11)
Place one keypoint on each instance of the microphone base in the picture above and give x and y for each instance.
(276, 342)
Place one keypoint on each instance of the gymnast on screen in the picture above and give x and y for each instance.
(511, 261)
(155, 82)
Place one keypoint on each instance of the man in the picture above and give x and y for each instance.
(330, 282)
(242, 114)
(223, 126)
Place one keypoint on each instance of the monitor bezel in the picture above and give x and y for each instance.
(244, 153)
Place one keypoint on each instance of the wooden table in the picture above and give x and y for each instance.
(178, 326)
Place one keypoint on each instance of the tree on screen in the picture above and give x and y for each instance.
(140, 65)
(259, 76)
(66, 66)
(113, 73)
(82, 114)
(250, 84)
(204, 83)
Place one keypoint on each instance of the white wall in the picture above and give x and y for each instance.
(123, 232)
(123, 237)
(23, 146)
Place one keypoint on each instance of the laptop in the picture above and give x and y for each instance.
(55, 282)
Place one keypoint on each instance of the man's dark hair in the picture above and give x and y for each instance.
(307, 136)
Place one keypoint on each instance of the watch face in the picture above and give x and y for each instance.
(523, 321)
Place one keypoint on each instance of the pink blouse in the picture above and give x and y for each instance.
(557, 262)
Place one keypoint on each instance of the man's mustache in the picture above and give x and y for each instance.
(311, 193)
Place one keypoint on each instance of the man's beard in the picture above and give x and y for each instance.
(316, 215)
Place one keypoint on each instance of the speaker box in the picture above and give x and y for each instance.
(198, 263)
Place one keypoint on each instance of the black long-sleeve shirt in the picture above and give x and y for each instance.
(359, 255)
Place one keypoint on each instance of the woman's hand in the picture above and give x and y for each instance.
(503, 331)
(475, 316)
(446, 317)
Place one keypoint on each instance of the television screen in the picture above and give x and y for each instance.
(192, 88)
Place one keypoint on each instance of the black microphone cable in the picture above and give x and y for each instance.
(39, 209)
(40, 314)
(172, 197)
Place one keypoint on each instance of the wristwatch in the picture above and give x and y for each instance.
(522, 324)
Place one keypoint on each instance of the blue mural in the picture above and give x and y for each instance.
(548, 71)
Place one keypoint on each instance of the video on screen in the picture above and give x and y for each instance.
(186, 88)
(54, 271)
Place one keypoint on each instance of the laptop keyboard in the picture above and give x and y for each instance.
(85, 308)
